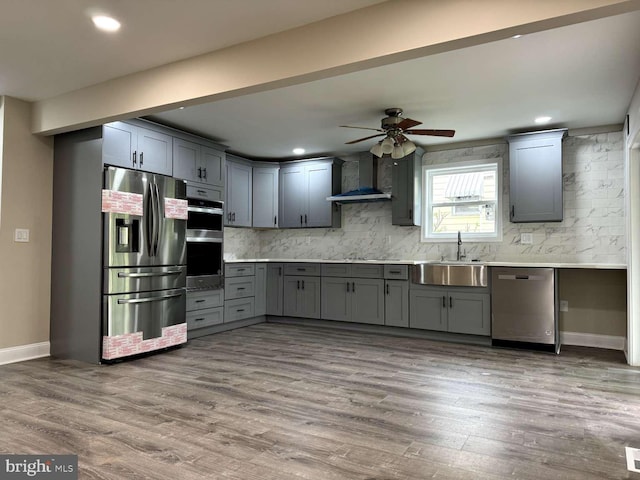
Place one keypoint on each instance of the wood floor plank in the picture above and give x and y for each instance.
(280, 401)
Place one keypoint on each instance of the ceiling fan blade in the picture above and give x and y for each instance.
(365, 138)
(363, 128)
(408, 123)
(433, 133)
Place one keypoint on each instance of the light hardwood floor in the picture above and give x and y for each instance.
(276, 401)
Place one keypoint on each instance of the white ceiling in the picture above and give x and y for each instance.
(582, 75)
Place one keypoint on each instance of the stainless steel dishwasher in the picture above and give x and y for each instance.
(523, 308)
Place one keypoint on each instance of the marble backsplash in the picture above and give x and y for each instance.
(593, 229)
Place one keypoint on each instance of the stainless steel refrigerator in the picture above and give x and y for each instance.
(118, 269)
(144, 262)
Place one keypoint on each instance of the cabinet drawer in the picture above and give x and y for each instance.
(239, 309)
(215, 194)
(396, 272)
(239, 287)
(309, 269)
(206, 299)
(239, 269)
(359, 270)
(336, 270)
(205, 318)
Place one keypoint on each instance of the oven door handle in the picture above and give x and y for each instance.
(204, 239)
(211, 211)
(123, 301)
(149, 274)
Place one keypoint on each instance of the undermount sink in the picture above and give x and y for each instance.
(459, 274)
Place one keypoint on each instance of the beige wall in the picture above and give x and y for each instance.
(597, 301)
(25, 268)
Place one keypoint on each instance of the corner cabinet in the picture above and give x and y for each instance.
(239, 189)
(131, 145)
(535, 166)
(304, 188)
(197, 162)
(406, 189)
(265, 195)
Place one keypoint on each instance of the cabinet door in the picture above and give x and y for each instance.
(186, 160)
(239, 194)
(318, 186)
(292, 196)
(406, 187)
(427, 309)
(469, 313)
(118, 144)
(309, 306)
(367, 304)
(336, 299)
(261, 289)
(535, 191)
(212, 165)
(265, 197)
(275, 285)
(291, 286)
(396, 303)
(155, 152)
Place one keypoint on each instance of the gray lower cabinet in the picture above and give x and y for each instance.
(239, 309)
(450, 310)
(396, 303)
(241, 284)
(275, 289)
(204, 309)
(131, 145)
(359, 300)
(301, 296)
(261, 289)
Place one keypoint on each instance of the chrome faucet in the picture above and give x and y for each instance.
(460, 255)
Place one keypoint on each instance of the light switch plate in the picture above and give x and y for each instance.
(21, 235)
(526, 238)
(564, 306)
(633, 459)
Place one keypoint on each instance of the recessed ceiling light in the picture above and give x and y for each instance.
(298, 151)
(540, 120)
(516, 36)
(105, 23)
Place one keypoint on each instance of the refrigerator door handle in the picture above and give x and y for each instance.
(123, 301)
(158, 218)
(149, 274)
(150, 222)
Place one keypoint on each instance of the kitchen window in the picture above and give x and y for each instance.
(462, 197)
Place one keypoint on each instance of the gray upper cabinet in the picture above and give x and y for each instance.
(304, 188)
(239, 192)
(133, 146)
(265, 195)
(535, 165)
(406, 189)
(198, 163)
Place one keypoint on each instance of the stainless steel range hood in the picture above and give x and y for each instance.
(367, 190)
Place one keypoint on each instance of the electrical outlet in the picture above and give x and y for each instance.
(633, 459)
(564, 306)
(21, 235)
(526, 238)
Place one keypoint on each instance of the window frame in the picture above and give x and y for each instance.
(426, 234)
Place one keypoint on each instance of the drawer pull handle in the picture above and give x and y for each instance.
(200, 301)
(301, 269)
(199, 319)
(240, 288)
(240, 310)
(397, 272)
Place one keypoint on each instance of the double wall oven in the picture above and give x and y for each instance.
(205, 244)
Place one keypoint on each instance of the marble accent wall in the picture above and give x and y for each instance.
(593, 229)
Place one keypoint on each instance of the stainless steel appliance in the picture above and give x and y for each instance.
(144, 262)
(523, 308)
(205, 244)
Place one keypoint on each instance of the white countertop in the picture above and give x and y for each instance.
(603, 266)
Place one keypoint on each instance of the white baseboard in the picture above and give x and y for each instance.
(611, 342)
(24, 352)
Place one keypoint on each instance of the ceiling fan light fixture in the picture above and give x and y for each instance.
(408, 147)
(398, 152)
(377, 150)
(387, 145)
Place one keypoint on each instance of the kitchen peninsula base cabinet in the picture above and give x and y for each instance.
(454, 310)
